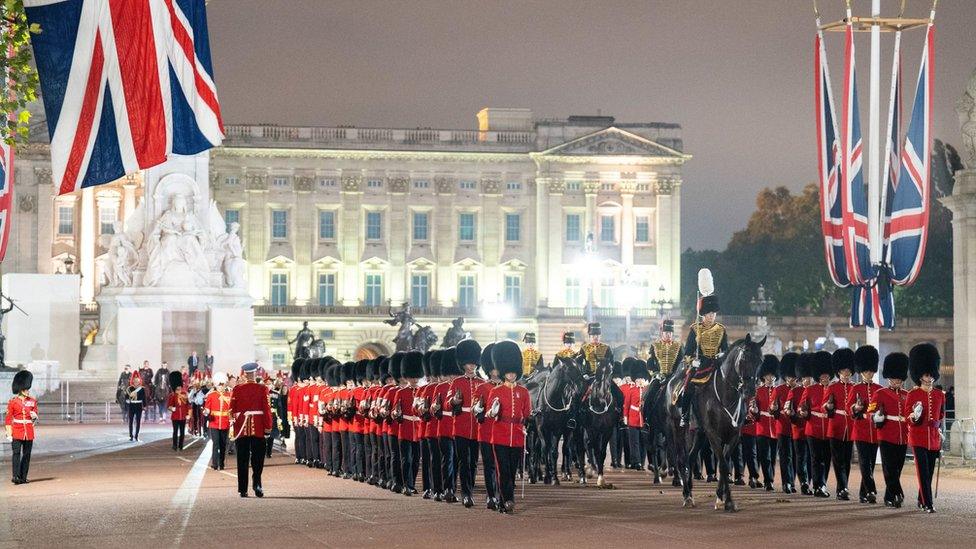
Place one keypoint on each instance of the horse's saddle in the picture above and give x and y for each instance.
(702, 376)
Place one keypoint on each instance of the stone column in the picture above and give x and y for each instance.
(128, 198)
(963, 206)
(663, 243)
(541, 247)
(86, 245)
(627, 229)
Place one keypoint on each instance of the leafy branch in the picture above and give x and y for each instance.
(21, 82)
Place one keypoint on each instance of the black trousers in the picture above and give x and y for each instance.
(409, 462)
(820, 461)
(766, 448)
(425, 464)
(467, 452)
(347, 466)
(380, 457)
(448, 464)
(135, 418)
(488, 465)
(396, 468)
(802, 460)
(299, 442)
(358, 454)
(701, 454)
(368, 455)
(507, 460)
(925, 461)
(337, 450)
(787, 475)
(738, 464)
(892, 463)
(750, 455)
(219, 450)
(867, 456)
(249, 449)
(21, 457)
(179, 433)
(325, 443)
(617, 445)
(313, 444)
(433, 471)
(841, 452)
(637, 450)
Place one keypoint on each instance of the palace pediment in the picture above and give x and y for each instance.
(613, 142)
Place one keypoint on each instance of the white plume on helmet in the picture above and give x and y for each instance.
(220, 378)
(705, 284)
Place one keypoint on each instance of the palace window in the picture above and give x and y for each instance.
(419, 290)
(231, 181)
(608, 228)
(374, 183)
(468, 184)
(277, 334)
(327, 289)
(642, 234)
(420, 224)
(327, 225)
(421, 184)
(280, 181)
(279, 289)
(574, 293)
(279, 224)
(231, 216)
(108, 214)
(66, 220)
(513, 290)
(513, 227)
(573, 185)
(514, 186)
(374, 289)
(327, 183)
(467, 294)
(466, 227)
(573, 233)
(374, 225)
(606, 186)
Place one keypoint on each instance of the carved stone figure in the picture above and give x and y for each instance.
(303, 341)
(177, 240)
(966, 109)
(121, 258)
(454, 334)
(232, 264)
(405, 320)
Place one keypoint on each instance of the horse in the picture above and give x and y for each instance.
(719, 409)
(602, 412)
(422, 339)
(657, 428)
(556, 399)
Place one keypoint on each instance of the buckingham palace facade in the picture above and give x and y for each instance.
(556, 219)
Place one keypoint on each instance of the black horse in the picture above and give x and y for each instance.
(719, 410)
(602, 410)
(556, 400)
(657, 428)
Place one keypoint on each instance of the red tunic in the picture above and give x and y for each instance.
(389, 397)
(250, 411)
(314, 395)
(508, 429)
(179, 404)
(325, 397)
(864, 430)
(373, 395)
(341, 423)
(428, 426)
(782, 426)
(445, 425)
(749, 427)
(765, 421)
(816, 422)
(465, 424)
(294, 398)
(925, 432)
(840, 421)
(405, 429)
(358, 423)
(21, 413)
(632, 405)
(891, 403)
(485, 427)
(217, 405)
(797, 423)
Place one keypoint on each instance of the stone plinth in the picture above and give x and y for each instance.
(49, 329)
(963, 206)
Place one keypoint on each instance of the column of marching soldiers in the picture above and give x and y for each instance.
(386, 420)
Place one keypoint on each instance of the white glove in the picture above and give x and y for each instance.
(941, 436)
(916, 411)
(696, 363)
(33, 415)
(8, 438)
(879, 417)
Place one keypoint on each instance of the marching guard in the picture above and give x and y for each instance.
(19, 424)
(178, 405)
(404, 413)
(450, 370)
(784, 424)
(811, 410)
(863, 432)
(216, 408)
(250, 424)
(925, 408)
(509, 408)
(486, 426)
(463, 391)
(838, 400)
(766, 419)
(887, 410)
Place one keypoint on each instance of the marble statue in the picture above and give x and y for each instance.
(232, 263)
(966, 109)
(404, 319)
(121, 258)
(454, 334)
(177, 238)
(303, 342)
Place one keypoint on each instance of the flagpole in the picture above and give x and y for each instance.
(873, 335)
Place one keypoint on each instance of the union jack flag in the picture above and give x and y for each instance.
(908, 228)
(6, 194)
(125, 84)
(828, 156)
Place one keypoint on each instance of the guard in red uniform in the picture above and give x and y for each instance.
(294, 397)
(391, 397)
(358, 425)
(509, 407)
(485, 424)
(887, 413)
(345, 412)
(864, 434)
(782, 425)
(815, 426)
(925, 408)
(372, 448)
(250, 424)
(428, 427)
(411, 368)
(19, 424)
(766, 420)
(326, 394)
(838, 400)
(801, 450)
(216, 408)
(178, 405)
(631, 370)
(450, 370)
(462, 391)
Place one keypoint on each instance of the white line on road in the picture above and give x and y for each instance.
(186, 495)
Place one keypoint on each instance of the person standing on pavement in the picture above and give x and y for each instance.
(208, 363)
(179, 409)
(135, 400)
(250, 415)
(19, 424)
(216, 409)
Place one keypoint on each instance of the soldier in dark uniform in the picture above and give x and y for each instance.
(567, 351)
(666, 351)
(707, 342)
(595, 352)
(531, 357)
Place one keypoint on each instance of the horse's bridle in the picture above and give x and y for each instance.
(545, 396)
(738, 389)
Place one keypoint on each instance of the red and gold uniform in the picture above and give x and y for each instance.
(465, 424)
(632, 405)
(514, 409)
(888, 406)
(217, 406)
(251, 422)
(179, 405)
(768, 416)
(840, 423)
(19, 424)
(21, 414)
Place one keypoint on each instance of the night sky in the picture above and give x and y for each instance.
(737, 75)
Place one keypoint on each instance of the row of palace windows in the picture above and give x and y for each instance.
(108, 214)
(372, 183)
(467, 226)
(374, 295)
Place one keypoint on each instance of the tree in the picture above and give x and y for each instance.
(20, 86)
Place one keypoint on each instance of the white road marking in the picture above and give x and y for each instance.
(186, 496)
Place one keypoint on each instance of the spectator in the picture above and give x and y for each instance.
(208, 362)
(193, 362)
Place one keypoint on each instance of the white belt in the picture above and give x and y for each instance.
(254, 413)
(465, 409)
(411, 418)
(23, 421)
(134, 401)
(840, 412)
(767, 414)
(632, 407)
(818, 414)
(447, 414)
(895, 418)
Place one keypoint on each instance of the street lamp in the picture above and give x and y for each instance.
(629, 294)
(586, 268)
(496, 312)
(761, 305)
(662, 305)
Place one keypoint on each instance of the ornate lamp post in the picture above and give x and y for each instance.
(663, 306)
(761, 305)
(496, 312)
(589, 254)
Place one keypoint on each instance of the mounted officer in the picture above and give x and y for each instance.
(666, 351)
(707, 341)
(594, 353)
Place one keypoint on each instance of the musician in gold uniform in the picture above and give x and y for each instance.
(595, 352)
(707, 343)
(531, 357)
(666, 351)
(567, 351)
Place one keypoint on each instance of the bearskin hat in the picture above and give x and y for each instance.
(842, 359)
(433, 358)
(306, 369)
(709, 304)
(616, 370)
(529, 337)
(487, 365)
(383, 369)
(895, 366)
(569, 338)
(23, 381)
(639, 370)
(467, 351)
(318, 371)
(787, 365)
(804, 365)
(347, 372)
(594, 329)
(770, 365)
(332, 373)
(866, 359)
(175, 379)
(449, 363)
(296, 370)
(820, 364)
(924, 359)
(412, 365)
(395, 363)
(629, 368)
(437, 362)
(371, 369)
(507, 358)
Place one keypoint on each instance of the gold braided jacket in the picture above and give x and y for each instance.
(666, 354)
(568, 352)
(593, 354)
(530, 357)
(708, 339)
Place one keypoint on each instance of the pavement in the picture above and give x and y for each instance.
(91, 487)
